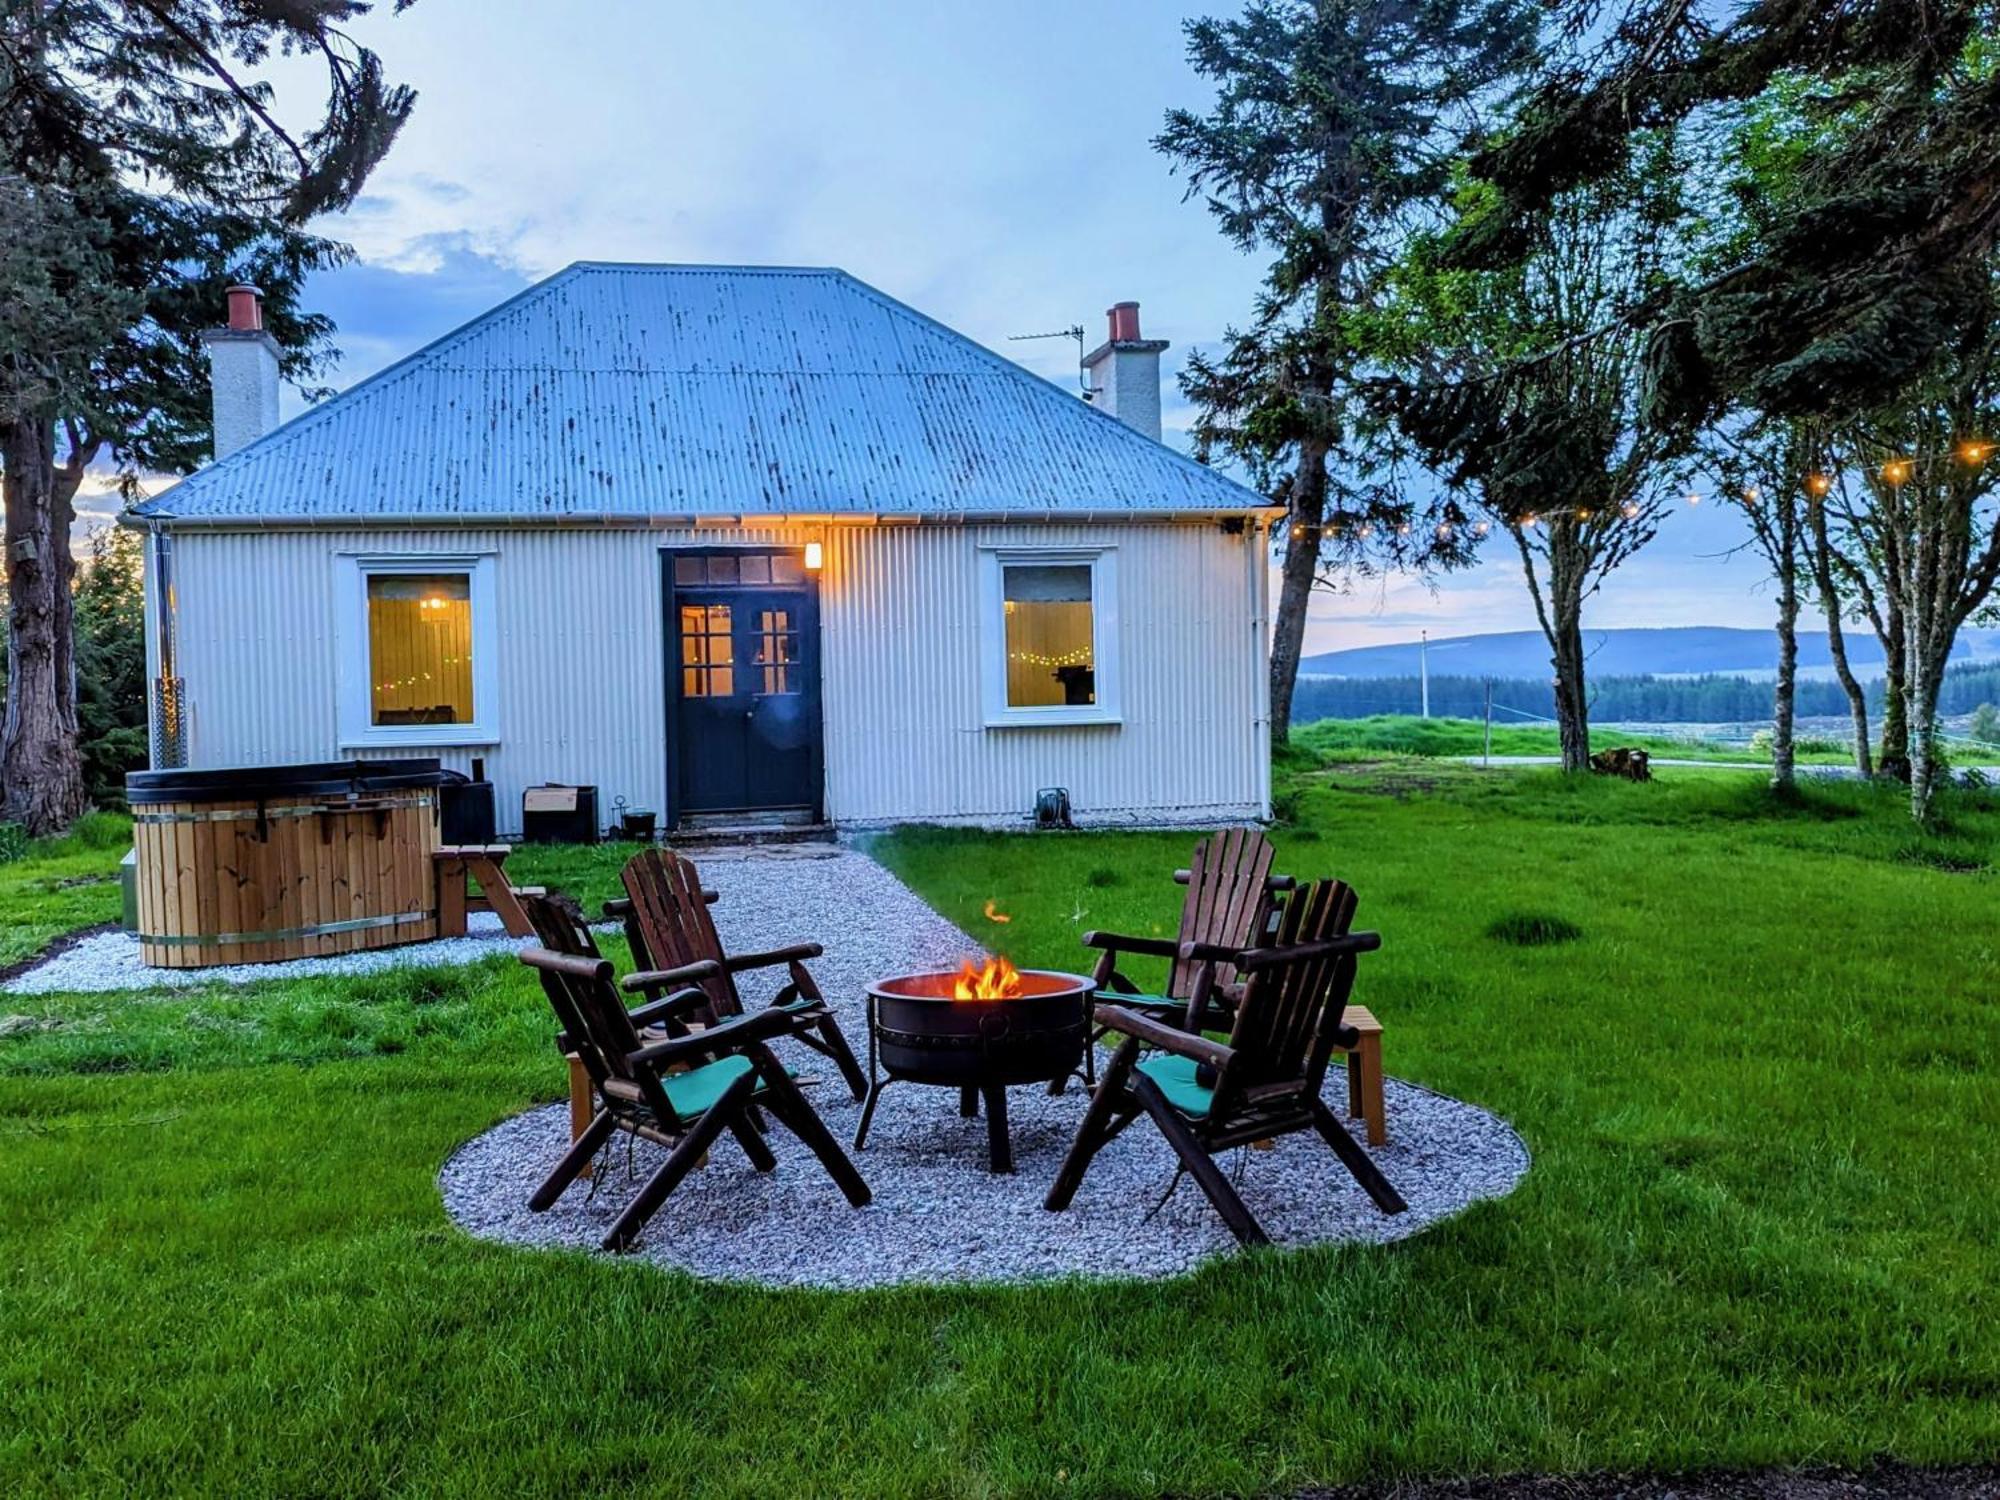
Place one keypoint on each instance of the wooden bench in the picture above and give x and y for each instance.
(1364, 1074)
(483, 865)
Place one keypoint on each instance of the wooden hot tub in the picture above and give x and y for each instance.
(263, 863)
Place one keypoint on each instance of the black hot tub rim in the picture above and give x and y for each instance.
(339, 778)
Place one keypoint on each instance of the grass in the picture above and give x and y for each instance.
(61, 885)
(1757, 1080)
(1406, 734)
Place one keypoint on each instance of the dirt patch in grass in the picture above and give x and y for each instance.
(1533, 930)
(1881, 1482)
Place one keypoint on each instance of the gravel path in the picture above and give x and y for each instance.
(938, 1215)
(110, 961)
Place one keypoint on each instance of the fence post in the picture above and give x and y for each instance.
(1486, 759)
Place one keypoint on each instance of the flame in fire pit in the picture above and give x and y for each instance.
(996, 979)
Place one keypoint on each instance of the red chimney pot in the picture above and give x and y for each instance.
(246, 309)
(1125, 323)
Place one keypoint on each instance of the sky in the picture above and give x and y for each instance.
(989, 165)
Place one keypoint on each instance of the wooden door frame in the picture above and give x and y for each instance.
(670, 638)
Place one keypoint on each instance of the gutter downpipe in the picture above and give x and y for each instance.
(1256, 551)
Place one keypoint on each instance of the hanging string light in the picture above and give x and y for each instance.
(1752, 494)
(1972, 451)
(1629, 510)
(1818, 484)
(1480, 528)
(1896, 470)
(1693, 498)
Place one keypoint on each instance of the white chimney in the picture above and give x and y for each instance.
(1124, 373)
(242, 373)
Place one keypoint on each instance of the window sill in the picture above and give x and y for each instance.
(1052, 718)
(420, 737)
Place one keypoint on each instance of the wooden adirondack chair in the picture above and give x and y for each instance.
(730, 1072)
(1231, 899)
(669, 925)
(1265, 1082)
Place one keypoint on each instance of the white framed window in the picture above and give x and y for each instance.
(418, 645)
(1049, 635)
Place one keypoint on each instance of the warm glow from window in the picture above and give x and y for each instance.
(1051, 659)
(420, 648)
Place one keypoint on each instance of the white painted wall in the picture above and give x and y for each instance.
(582, 694)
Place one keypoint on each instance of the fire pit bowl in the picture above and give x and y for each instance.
(919, 1031)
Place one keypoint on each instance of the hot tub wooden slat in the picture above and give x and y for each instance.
(337, 864)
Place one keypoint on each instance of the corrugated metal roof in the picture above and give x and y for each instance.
(637, 390)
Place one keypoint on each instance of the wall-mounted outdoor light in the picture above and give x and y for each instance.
(815, 555)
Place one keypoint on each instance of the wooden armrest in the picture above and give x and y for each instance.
(576, 966)
(1265, 958)
(653, 979)
(732, 1035)
(1271, 882)
(618, 907)
(668, 1007)
(1159, 1034)
(792, 954)
(1119, 942)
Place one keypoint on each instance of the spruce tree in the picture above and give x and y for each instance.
(1333, 128)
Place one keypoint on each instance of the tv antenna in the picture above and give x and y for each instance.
(1074, 331)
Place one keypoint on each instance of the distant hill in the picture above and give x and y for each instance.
(1676, 651)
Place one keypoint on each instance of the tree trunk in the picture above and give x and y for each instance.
(1784, 773)
(41, 765)
(1833, 607)
(1572, 708)
(1895, 758)
(1926, 677)
(1304, 518)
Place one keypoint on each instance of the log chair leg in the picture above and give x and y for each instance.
(686, 1155)
(968, 1101)
(1092, 1133)
(1373, 1109)
(791, 1107)
(582, 1103)
(753, 1145)
(843, 1058)
(1357, 1161)
(1209, 1177)
(581, 1150)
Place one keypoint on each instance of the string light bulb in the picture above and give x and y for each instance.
(1818, 484)
(1896, 470)
(1693, 498)
(1533, 519)
(1752, 494)
(1479, 529)
(1629, 510)
(1972, 451)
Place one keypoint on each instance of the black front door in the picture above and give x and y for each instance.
(743, 644)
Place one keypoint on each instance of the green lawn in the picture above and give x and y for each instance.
(1406, 734)
(1760, 1228)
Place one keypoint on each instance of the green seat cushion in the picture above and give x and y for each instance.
(694, 1092)
(1176, 1079)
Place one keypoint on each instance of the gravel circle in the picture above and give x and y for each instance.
(938, 1215)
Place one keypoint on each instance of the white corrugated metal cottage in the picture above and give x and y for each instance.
(720, 540)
